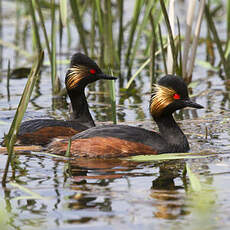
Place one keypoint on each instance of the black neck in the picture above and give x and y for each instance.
(172, 134)
(80, 107)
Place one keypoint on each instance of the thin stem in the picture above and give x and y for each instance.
(78, 23)
(196, 39)
(189, 22)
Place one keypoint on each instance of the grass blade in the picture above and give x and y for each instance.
(217, 41)
(93, 31)
(63, 11)
(110, 54)
(37, 3)
(121, 36)
(33, 195)
(35, 25)
(141, 68)
(162, 50)
(11, 136)
(101, 29)
(228, 21)
(171, 38)
(137, 10)
(113, 100)
(171, 16)
(78, 23)
(144, 22)
(8, 81)
(170, 156)
(55, 87)
(152, 51)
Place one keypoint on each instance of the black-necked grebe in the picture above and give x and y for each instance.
(81, 72)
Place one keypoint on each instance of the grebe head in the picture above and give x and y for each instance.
(170, 94)
(83, 71)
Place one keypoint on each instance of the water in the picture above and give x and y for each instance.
(117, 194)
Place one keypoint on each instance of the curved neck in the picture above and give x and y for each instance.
(80, 107)
(171, 132)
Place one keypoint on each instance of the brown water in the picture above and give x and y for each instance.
(116, 194)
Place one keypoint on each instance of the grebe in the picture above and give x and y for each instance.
(81, 72)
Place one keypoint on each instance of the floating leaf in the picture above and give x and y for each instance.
(170, 156)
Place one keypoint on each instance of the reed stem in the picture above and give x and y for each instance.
(12, 134)
(171, 37)
(35, 26)
(137, 10)
(53, 49)
(195, 40)
(78, 23)
(189, 22)
(217, 41)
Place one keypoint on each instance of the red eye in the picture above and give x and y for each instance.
(92, 71)
(176, 96)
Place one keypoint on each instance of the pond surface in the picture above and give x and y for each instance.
(116, 194)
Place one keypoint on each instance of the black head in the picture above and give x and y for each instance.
(83, 71)
(170, 94)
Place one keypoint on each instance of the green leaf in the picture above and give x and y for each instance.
(169, 156)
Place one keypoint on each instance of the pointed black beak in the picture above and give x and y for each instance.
(106, 77)
(193, 104)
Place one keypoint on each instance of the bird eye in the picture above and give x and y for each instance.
(92, 71)
(176, 96)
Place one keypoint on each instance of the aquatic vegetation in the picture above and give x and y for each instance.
(133, 41)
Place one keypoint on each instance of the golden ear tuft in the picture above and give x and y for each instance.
(76, 74)
(161, 98)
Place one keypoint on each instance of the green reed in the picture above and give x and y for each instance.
(171, 37)
(227, 50)
(224, 60)
(152, 52)
(121, 29)
(93, 31)
(100, 29)
(127, 41)
(108, 36)
(137, 10)
(113, 100)
(10, 138)
(35, 26)
(162, 50)
(55, 86)
(63, 12)
(78, 22)
(42, 21)
(8, 81)
(145, 20)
